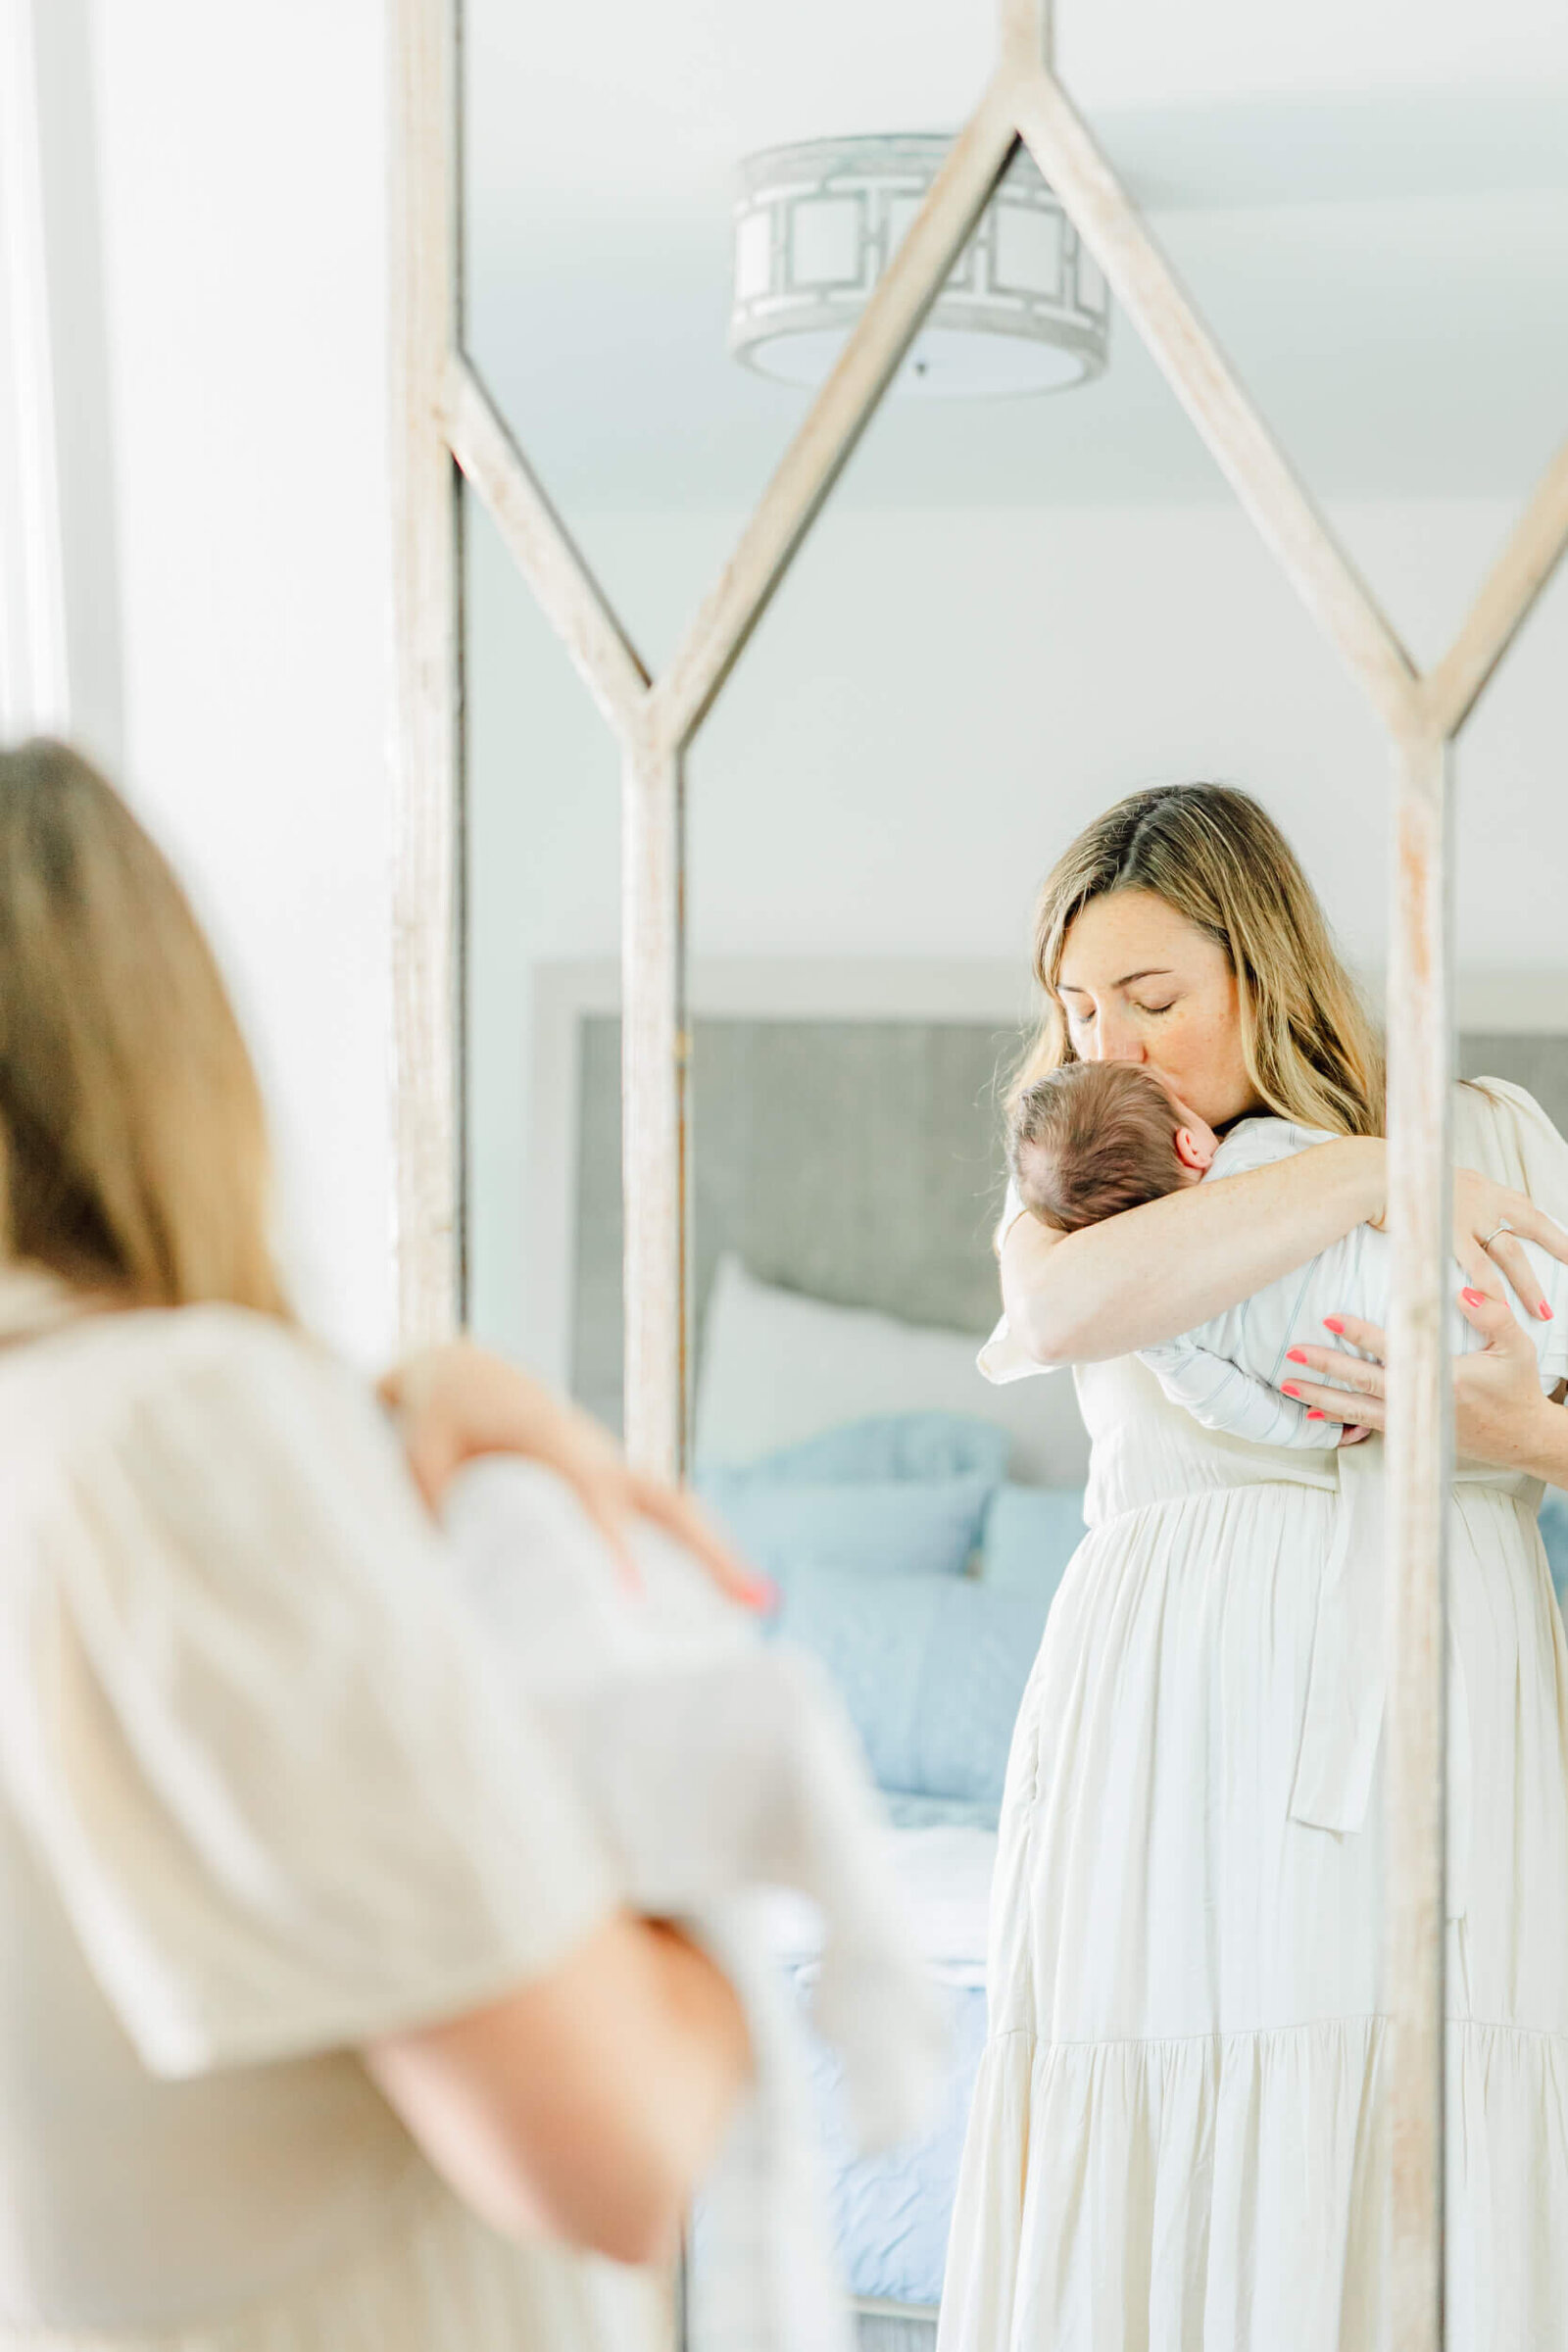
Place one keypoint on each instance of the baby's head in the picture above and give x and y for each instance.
(1093, 1137)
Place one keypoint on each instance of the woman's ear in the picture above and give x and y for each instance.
(1195, 1152)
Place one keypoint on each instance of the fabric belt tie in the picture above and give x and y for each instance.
(1342, 1721)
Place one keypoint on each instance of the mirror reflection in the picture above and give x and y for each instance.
(1034, 766)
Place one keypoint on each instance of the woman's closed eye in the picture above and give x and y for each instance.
(1084, 1018)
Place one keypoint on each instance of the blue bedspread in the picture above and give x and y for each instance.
(891, 2211)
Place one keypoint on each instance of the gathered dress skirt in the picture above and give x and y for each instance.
(1175, 2140)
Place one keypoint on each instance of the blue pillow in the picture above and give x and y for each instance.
(878, 1526)
(931, 1668)
(890, 1445)
(1555, 1536)
(1031, 1533)
(906, 1812)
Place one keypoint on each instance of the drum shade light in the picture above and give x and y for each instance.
(1025, 308)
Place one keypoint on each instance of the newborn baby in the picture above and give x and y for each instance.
(1094, 1138)
(716, 1767)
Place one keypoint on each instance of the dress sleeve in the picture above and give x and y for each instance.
(1519, 1141)
(1004, 1357)
(253, 1733)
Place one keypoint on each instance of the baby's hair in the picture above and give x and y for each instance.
(1091, 1139)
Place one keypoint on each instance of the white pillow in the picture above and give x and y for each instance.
(778, 1366)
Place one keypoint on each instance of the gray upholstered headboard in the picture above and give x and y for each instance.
(856, 1161)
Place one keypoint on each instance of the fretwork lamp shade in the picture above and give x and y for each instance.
(1025, 309)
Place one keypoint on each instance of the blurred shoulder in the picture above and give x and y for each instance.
(76, 1379)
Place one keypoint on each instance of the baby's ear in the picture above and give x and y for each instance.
(1191, 1152)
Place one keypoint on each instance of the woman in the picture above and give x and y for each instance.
(316, 2011)
(1172, 2143)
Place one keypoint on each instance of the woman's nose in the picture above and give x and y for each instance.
(1114, 1040)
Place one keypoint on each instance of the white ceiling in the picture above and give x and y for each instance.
(1368, 198)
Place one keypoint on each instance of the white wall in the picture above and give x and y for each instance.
(243, 176)
(938, 698)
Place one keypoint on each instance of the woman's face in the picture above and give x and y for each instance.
(1140, 983)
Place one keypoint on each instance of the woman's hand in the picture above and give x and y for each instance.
(1499, 1413)
(1480, 1208)
(459, 1401)
(1484, 1383)
(1356, 1396)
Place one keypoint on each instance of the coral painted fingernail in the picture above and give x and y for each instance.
(1314, 1414)
(1288, 1387)
(1334, 1323)
(1473, 1298)
(1545, 1312)
(1295, 1355)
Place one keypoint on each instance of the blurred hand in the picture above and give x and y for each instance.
(459, 1401)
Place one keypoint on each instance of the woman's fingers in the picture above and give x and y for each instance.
(1488, 1312)
(617, 1498)
(614, 1502)
(683, 1517)
(1339, 1365)
(1368, 1336)
(1536, 1226)
(1356, 1409)
(1478, 1266)
(1352, 1390)
(612, 1517)
(1314, 1359)
(1490, 1222)
(1511, 1261)
(458, 1400)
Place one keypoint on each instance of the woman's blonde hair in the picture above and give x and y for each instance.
(133, 1154)
(1214, 856)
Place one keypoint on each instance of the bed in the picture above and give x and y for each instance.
(891, 2211)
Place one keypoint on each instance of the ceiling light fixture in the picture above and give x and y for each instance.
(1025, 308)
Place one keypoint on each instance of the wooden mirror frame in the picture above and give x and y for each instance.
(446, 427)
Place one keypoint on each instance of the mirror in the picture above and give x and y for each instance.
(1013, 612)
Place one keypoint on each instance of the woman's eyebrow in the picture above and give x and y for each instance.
(1154, 971)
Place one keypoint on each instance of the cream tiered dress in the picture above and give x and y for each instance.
(1173, 2145)
(261, 1800)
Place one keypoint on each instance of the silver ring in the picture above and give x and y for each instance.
(1502, 1226)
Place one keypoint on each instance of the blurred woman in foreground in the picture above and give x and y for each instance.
(317, 2011)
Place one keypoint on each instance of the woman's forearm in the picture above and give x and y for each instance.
(1152, 1272)
(587, 2102)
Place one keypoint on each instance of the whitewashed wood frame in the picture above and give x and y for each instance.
(35, 679)
(426, 883)
(443, 419)
(59, 650)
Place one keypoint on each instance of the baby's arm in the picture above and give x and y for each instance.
(1222, 1396)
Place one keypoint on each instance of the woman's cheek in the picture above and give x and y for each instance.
(1204, 1068)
